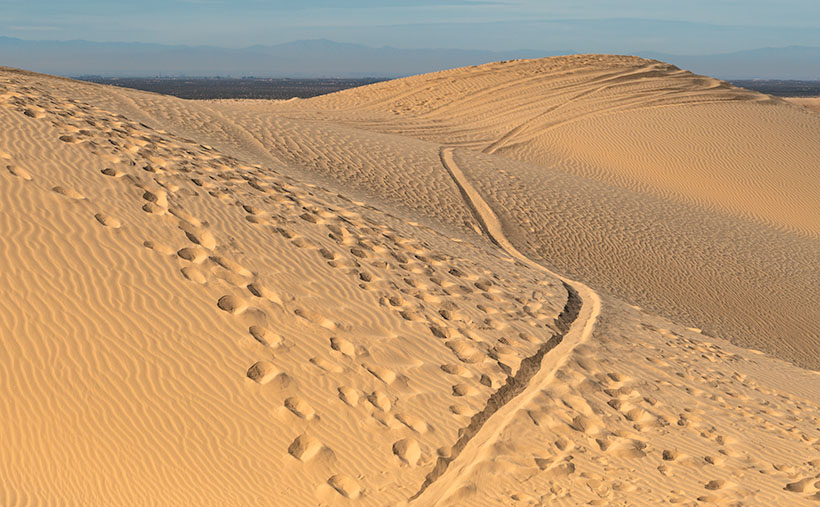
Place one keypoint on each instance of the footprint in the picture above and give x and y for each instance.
(185, 217)
(463, 389)
(232, 266)
(584, 424)
(349, 395)
(193, 274)
(715, 484)
(68, 192)
(33, 113)
(232, 278)
(251, 209)
(315, 318)
(158, 247)
(562, 469)
(232, 304)
(456, 369)
(262, 372)
(625, 448)
(159, 198)
(301, 243)
(440, 332)
(670, 455)
(19, 172)
(261, 291)
(307, 217)
(639, 416)
(304, 448)
(385, 375)
(413, 422)
(154, 209)
(114, 173)
(107, 220)
(492, 383)
(285, 233)
(380, 400)
(344, 346)
(408, 451)
(345, 486)
(300, 408)
(202, 237)
(411, 315)
(465, 351)
(358, 252)
(800, 486)
(266, 337)
(195, 254)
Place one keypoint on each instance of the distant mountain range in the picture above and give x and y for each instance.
(792, 62)
(324, 58)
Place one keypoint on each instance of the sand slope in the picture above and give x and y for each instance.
(181, 327)
(193, 324)
(637, 123)
(680, 193)
(674, 191)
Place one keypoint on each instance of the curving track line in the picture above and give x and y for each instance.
(449, 475)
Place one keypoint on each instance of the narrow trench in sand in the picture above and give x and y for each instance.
(513, 387)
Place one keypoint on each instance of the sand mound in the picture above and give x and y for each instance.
(189, 318)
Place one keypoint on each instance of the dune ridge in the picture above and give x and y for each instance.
(611, 118)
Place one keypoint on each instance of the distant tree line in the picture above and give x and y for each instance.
(781, 88)
(235, 88)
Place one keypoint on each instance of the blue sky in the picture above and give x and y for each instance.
(694, 26)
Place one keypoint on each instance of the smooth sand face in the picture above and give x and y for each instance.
(187, 324)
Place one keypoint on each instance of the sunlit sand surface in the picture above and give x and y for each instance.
(577, 280)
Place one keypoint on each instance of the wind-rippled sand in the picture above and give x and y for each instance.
(411, 292)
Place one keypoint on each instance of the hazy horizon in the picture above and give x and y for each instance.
(465, 32)
(698, 27)
(324, 58)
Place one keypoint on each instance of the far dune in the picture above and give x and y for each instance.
(810, 103)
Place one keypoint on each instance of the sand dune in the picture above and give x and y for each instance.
(326, 303)
(676, 192)
(673, 191)
(638, 124)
